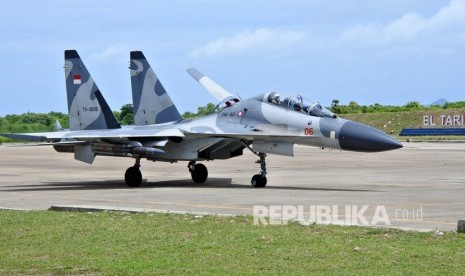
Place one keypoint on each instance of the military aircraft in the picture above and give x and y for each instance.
(270, 123)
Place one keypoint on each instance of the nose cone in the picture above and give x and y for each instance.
(357, 137)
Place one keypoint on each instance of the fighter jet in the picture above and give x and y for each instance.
(270, 123)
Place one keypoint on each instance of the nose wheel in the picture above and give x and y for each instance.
(199, 172)
(259, 180)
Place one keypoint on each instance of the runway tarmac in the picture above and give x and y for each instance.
(421, 186)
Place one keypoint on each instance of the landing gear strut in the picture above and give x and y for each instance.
(133, 176)
(259, 180)
(198, 172)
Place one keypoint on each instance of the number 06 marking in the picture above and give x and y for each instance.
(308, 131)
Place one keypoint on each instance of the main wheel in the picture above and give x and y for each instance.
(133, 177)
(200, 173)
(258, 181)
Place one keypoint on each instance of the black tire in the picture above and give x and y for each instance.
(133, 177)
(258, 181)
(200, 173)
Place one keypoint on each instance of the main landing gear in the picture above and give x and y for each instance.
(198, 172)
(133, 176)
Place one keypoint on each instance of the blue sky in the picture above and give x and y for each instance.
(387, 52)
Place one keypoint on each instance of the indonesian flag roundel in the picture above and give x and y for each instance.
(77, 79)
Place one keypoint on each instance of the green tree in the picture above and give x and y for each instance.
(459, 104)
(205, 110)
(126, 115)
(354, 107)
(413, 105)
(201, 111)
(335, 106)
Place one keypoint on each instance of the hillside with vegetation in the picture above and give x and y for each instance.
(31, 122)
(393, 122)
(390, 119)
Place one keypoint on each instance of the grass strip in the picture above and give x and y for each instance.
(120, 243)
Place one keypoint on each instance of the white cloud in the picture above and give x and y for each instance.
(362, 34)
(261, 40)
(405, 28)
(408, 27)
(110, 52)
(454, 13)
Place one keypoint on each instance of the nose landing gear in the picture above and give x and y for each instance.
(259, 180)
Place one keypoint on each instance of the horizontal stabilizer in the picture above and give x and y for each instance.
(67, 137)
(124, 134)
(37, 136)
(25, 137)
(215, 89)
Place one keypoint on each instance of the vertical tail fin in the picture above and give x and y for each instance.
(86, 106)
(151, 103)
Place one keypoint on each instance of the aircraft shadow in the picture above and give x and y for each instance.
(217, 183)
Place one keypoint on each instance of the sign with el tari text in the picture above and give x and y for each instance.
(444, 120)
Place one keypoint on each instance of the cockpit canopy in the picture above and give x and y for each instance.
(298, 103)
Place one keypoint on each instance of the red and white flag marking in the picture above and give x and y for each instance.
(77, 79)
